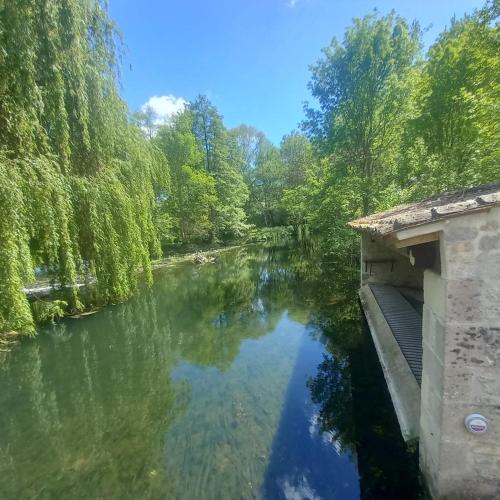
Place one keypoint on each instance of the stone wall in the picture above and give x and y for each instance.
(400, 272)
(461, 360)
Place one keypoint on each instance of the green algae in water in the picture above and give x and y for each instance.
(239, 379)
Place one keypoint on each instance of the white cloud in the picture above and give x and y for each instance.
(292, 3)
(164, 107)
(298, 491)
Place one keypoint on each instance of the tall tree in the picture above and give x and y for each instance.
(209, 131)
(458, 107)
(192, 196)
(146, 119)
(362, 87)
(301, 172)
(222, 161)
(250, 141)
(268, 180)
(297, 156)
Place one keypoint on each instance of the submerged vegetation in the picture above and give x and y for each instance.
(89, 191)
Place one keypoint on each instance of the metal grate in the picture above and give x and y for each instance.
(405, 323)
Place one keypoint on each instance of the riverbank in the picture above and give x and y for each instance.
(49, 300)
(46, 294)
(191, 257)
(45, 288)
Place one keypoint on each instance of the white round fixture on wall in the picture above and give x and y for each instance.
(476, 424)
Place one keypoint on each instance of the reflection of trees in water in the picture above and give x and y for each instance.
(349, 387)
(331, 286)
(331, 391)
(94, 407)
(95, 399)
(90, 411)
(214, 307)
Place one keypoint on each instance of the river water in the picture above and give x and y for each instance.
(252, 377)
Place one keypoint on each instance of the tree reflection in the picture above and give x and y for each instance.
(350, 390)
(91, 400)
(331, 390)
(90, 410)
(93, 406)
(215, 307)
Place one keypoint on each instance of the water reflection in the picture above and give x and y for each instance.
(355, 408)
(239, 379)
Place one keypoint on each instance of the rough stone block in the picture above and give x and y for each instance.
(486, 389)
(467, 485)
(432, 370)
(429, 450)
(435, 293)
(454, 462)
(461, 232)
(473, 346)
(471, 246)
(434, 333)
(458, 384)
(472, 301)
(432, 404)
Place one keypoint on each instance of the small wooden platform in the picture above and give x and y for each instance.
(405, 323)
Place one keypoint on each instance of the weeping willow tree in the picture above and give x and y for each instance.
(78, 182)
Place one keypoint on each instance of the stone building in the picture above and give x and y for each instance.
(430, 289)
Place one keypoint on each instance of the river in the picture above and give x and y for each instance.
(251, 377)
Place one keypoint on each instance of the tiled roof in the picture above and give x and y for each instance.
(431, 210)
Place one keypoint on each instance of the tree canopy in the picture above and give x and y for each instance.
(393, 125)
(89, 191)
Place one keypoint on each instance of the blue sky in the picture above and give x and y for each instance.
(250, 57)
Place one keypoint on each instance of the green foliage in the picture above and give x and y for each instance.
(78, 183)
(458, 106)
(363, 87)
(250, 142)
(145, 119)
(84, 191)
(15, 255)
(277, 235)
(295, 202)
(198, 192)
(48, 310)
(208, 192)
(301, 172)
(223, 161)
(392, 127)
(191, 199)
(267, 183)
(297, 156)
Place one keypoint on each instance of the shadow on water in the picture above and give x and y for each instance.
(387, 467)
(307, 462)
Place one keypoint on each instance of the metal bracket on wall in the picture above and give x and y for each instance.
(379, 261)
